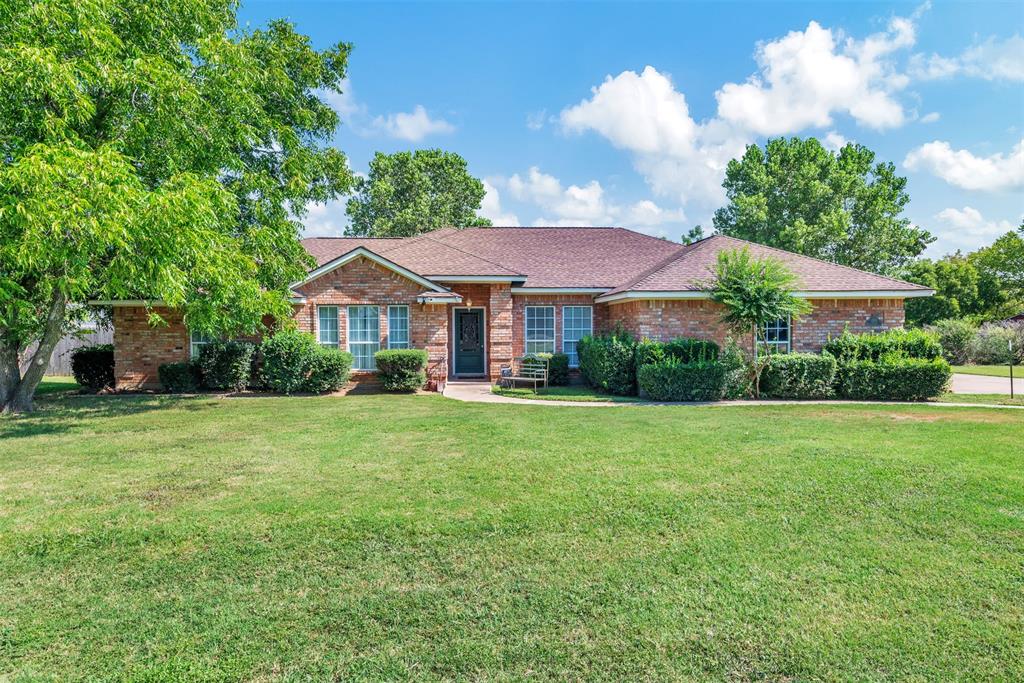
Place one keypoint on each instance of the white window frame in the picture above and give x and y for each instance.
(197, 340)
(779, 347)
(576, 340)
(407, 344)
(350, 343)
(337, 326)
(526, 330)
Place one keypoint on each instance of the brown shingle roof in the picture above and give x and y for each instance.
(693, 267)
(611, 258)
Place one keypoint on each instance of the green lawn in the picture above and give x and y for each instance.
(413, 537)
(569, 393)
(55, 384)
(982, 399)
(989, 370)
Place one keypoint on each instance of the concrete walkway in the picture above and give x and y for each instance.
(480, 392)
(983, 384)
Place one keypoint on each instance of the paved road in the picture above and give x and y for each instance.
(980, 384)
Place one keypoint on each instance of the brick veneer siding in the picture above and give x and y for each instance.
(663, 320)
(521, 301)
(141, 348)
(364, 283)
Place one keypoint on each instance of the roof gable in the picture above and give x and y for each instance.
(363, 252)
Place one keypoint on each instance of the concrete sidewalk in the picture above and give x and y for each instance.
(983, 384)
(480, 392)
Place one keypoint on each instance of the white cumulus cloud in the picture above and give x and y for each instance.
(325, 220)
(931, 117)
(992, 60)
(968, 171)
(412, 126)
(966, 229)
(490, 207)
(834, 141)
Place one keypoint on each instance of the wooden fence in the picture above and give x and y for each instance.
(60, 361)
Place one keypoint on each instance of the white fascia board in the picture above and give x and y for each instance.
(847, 294)
(376, 258)
(559, 290)
(127, 302)
(476, 278)
(427, 299)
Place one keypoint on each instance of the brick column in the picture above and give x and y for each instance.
(436, 330)
(499, 329)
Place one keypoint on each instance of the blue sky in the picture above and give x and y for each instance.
(626, 113)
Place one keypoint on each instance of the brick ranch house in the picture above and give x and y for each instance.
(479, 297)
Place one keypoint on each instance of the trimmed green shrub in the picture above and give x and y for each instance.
(328, 370)
(607, 362)
(287, 357)
(738, 374)
(648, 351)
(955, 337)
(910, 343)
(799, 376)
(179, 378)
(672, 380)
(689, 350)
(226, 364)
(402, 369)
(893, 378)
(93, 366)
(990, 345)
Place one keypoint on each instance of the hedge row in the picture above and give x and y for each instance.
(799, 376)
(673, 380)
(849, 347)
(893, 378)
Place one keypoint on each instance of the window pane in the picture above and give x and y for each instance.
(777, 335)
(197, 340)
(540, 329)
(577, 322)
(398, 327)
(327, 325)
(363, 336)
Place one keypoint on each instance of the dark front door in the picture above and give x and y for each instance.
(469, 341)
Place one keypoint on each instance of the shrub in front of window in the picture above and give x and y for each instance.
(673, 380)
(799, 376)
(739, 376)
(287, 357)
(402, 369)
(608, 362)
(689, 350)
(893, 378)
(955, 337)
(328, 370)
(226, 364)
(93, 366)
(557, 365)
(991, 344)
(179, 378)
(910, 343)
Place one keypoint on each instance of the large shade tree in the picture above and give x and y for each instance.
(407, 193)
(839, 206)
(152, 149)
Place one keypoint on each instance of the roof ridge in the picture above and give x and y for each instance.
(815, 258)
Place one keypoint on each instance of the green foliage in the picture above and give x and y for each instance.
(911, 343)
(557, 365)
(607, 362)
(407, 193)
(179, 378)
(287, 359)
(893, 378)
(158, 151)
(955, 337)
(738, 373)
(683, 349)
(226, 364)
(402, 369)
(673, 380)
(842, 207)
(93, 366)
(991, 344)
(328, 370)
(799, 376)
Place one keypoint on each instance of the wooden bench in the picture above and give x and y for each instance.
(525, 370)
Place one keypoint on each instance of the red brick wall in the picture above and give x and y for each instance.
(140, 348)
(363, 282)
(664, 320)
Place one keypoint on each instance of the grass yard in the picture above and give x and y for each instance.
(56, 384)
(989, 370)
(413, 537)
(982, 399)
(566, 393)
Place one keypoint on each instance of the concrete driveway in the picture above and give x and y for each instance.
(980, 384)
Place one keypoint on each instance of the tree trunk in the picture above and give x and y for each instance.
(20, 400)
(10, 372)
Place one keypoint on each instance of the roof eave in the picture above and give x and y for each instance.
(808, 294)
